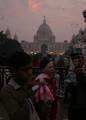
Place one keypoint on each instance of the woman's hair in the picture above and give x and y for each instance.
(44, 62)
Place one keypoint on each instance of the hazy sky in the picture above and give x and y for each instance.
(25, 16)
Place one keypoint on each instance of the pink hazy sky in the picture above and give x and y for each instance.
(23, 17)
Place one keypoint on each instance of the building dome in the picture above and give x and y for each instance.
(44, 28)
(44, 34)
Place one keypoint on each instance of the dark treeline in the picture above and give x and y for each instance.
(7, 47)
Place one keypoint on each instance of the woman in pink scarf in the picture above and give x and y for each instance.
(45, 94)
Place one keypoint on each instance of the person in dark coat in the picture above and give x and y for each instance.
(77, 107)
(15, 97)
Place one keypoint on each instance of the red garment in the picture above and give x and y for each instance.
(53, 110)
(51, 85)
(43, 93)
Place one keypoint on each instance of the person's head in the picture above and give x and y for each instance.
(47, 66)
(77, 58)
(21, 64)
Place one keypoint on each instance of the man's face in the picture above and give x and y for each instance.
(66, 61)
(24, 73)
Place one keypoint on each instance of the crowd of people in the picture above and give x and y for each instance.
(29, 97)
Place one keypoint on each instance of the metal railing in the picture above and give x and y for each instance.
(4, 75)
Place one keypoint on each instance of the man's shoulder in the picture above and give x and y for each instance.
(6, 91)
(3, 113)
(7, 88)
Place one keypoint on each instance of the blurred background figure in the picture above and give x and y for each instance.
(77, 107)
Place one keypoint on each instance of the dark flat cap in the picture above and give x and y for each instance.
(19, 59)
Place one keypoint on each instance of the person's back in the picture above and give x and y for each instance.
(77, 107)
(13, 101)
(3, 113)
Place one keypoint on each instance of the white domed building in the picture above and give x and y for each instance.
(44, 34)
(44, 40)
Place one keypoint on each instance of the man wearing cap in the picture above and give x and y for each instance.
(15, 97)
(77, 107)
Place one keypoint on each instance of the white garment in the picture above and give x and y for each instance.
(32, 112)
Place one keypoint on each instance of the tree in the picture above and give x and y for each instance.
(7, 47)
(15, 37)
(8, 33)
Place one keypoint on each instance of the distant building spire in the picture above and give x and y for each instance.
(44, 20)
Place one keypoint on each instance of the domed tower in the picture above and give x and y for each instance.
(44, 34)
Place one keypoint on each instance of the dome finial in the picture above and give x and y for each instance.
(44, 20)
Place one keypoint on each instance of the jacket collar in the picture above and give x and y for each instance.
(14, 84)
